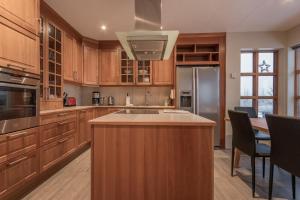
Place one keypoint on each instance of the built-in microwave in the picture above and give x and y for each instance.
(19, 100)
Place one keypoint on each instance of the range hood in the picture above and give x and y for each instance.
(148, 41)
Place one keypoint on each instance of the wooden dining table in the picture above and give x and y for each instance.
(259, 124)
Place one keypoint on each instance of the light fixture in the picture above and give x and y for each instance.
(103, 27)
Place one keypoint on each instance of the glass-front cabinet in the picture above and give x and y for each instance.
(135, 72)
(51, 61)
(127, 69)
(143, 69)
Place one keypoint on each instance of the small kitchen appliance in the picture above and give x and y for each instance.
(69, 101)
(96, 99)
(111, 100)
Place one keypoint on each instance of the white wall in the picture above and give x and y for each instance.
(252, 40)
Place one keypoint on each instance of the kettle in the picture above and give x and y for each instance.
(111, 100)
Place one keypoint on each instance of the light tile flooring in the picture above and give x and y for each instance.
(73, 181)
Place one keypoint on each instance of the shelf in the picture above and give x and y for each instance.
(198, 63)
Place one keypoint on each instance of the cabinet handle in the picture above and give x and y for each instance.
(17, 134)
(62, 114)
(62, 123)
(17, 161)
(63, 140)
(83, 111)
(40, 24)
(16, 66)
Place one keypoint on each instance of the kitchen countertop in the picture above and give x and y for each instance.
(65, 109)
(169, 119)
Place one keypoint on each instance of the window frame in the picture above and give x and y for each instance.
(255, 74)
(297, 72)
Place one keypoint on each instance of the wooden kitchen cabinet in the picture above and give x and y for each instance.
(77, 60)
(84, 129)
(90, 64)
(23, 141)
(19, 44)
(19, 49)
(109, 68)
(19, 170)
(163, 71)
(68, 57)
(22, 13)
(72, 59)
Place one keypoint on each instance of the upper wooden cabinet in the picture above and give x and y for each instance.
(68, 57)
(109, 60)
(19, 44)
(72, 59)
(77, 60)
(23, 13)
(51, 56)
(90, 64)
(163, 71)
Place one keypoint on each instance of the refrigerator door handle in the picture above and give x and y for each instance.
(194, 95)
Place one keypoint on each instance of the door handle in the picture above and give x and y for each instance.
(17, 134)
(17, 161)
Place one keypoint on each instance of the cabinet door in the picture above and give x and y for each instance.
(163, 72)
(144, 72)
(3, 180)
(3, 150)
(90, 68)
(109, 67)
(67, 145)
(23, 13)
(68, 57)
(77, 60)
(82, 132)
(50, 155)
(18, 49)
(21, 169)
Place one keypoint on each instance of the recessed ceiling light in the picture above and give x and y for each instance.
(103, 27)
(287, 1)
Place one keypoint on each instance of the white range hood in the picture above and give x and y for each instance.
(148, 41)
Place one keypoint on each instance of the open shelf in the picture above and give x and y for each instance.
(197, 54)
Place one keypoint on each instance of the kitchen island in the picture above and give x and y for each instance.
(159, 155)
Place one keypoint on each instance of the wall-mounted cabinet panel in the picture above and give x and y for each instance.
(90, 65)
(19, 49)
(77, 60)
(163, 71)
(109, 60)
(68, 57)
(23, 13)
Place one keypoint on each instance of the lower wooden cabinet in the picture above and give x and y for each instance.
(17, 171)
(84, 129)
(54, 152)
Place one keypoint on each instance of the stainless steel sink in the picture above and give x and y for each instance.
(138, 111)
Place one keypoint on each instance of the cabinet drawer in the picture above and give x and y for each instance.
(17, 171)
(67, 127)
(21, 142)
(49, 155)
(54, 152)
(68, 145)
(56, 117)
(18, 49)
(49, 133)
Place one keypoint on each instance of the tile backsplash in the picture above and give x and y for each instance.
(139, 95)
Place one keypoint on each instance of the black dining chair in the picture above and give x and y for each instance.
(253, 114)
(285, 151)
(243, 139)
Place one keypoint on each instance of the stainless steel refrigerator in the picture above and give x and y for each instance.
(199, 92)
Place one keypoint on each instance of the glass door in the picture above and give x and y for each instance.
(144, 72)
(54, 62)
(127, 69)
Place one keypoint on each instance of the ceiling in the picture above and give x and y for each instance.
(187, 16)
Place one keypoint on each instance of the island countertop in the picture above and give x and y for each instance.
(165, 117)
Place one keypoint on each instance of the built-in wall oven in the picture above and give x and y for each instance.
(19, 100)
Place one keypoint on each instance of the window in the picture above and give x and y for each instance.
(297, 82)
(259, 81)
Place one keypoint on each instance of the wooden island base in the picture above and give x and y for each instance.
(154, 162)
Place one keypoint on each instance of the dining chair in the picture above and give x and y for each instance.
(243, 138)
(253, 114)
(285, 148)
